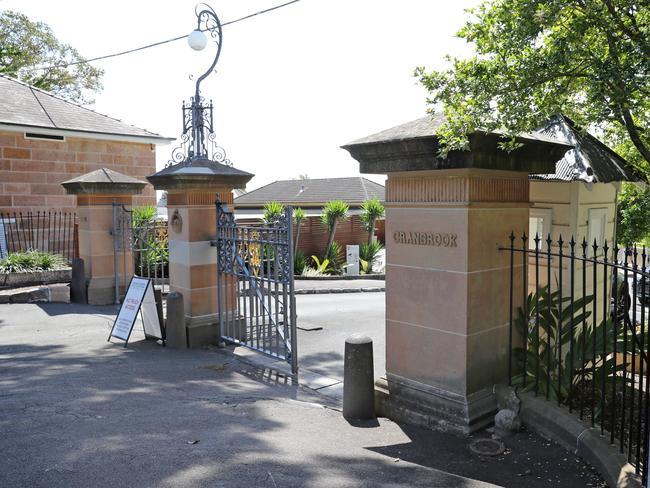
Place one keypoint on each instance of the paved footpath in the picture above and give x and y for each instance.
(77, 411)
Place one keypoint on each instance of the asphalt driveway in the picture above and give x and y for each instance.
(325, 321)
(78, 411)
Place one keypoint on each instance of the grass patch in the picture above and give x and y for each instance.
(21, 262)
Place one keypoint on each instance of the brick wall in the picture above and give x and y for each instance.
(31, 170)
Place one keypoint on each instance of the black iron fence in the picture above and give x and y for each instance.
(150, 246)
(140, 246)
(52, 232)
(579, 334)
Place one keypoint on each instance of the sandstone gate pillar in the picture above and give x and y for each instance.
(192, 190)
(447, 284)
(96, 193)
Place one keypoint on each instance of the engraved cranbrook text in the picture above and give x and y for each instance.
(436, 239)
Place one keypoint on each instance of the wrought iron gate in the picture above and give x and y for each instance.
(147, 240)
(255, 285)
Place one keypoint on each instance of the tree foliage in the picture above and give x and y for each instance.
(588, 59)
(25, 45)
(333, 211)
(632, 214)
(372, 210)
(272, 212)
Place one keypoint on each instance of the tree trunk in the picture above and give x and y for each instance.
(330, 239)
(634, 135)
(295, 246)
(371, 232)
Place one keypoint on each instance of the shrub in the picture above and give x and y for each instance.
(336, 258)
(321, 268)
(368, 252)
(311, 272)
(19, 262)
(143, 215)
(299, 263)
(273, 211)
(151, 247)
(333, 212)
(545, 341)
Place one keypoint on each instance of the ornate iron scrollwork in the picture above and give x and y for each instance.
(198, 140)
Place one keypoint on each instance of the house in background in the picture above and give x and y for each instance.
(311, 195)
(579, 200)
(45, 140)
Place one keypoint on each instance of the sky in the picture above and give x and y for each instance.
(291, 86)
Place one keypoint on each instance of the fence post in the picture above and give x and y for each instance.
(78, 284)
(175, 330)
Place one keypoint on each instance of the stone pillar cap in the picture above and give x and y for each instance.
(200, 174)
(105, 181)
(414, 146)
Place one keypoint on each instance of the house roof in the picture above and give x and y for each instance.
(590, 160)
(353, 190)
(24, 107)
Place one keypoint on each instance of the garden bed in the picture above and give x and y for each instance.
(28, 278)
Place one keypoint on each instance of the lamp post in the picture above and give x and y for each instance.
(198, 137)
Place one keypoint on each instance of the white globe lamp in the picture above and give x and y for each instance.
(197, 40)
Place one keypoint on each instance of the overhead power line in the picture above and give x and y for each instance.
(141, 48)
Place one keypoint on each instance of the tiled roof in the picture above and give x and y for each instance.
(24, 105)
(354, 191)
(590, 160)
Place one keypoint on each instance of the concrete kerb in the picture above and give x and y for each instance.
(555, 422)
(326, 286)
(321, 291)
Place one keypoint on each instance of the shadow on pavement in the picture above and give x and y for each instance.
(534, 461)
(77, 411)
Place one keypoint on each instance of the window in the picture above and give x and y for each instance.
(597, 224)
(539, 223)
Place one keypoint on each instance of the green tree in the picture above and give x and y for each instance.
(372, 210)
(333, 212)
(298, 217)
(272, 212)
(25, 45)
(632, 214)
(588, 59)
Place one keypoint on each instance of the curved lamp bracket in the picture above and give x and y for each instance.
(208, 21)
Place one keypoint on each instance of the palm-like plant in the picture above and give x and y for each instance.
(272, 212)
(372, 210)
(565, 354)
(298, 217)
(333, 212)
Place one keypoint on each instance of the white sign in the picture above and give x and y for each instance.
(352, 258)
(139, 298)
